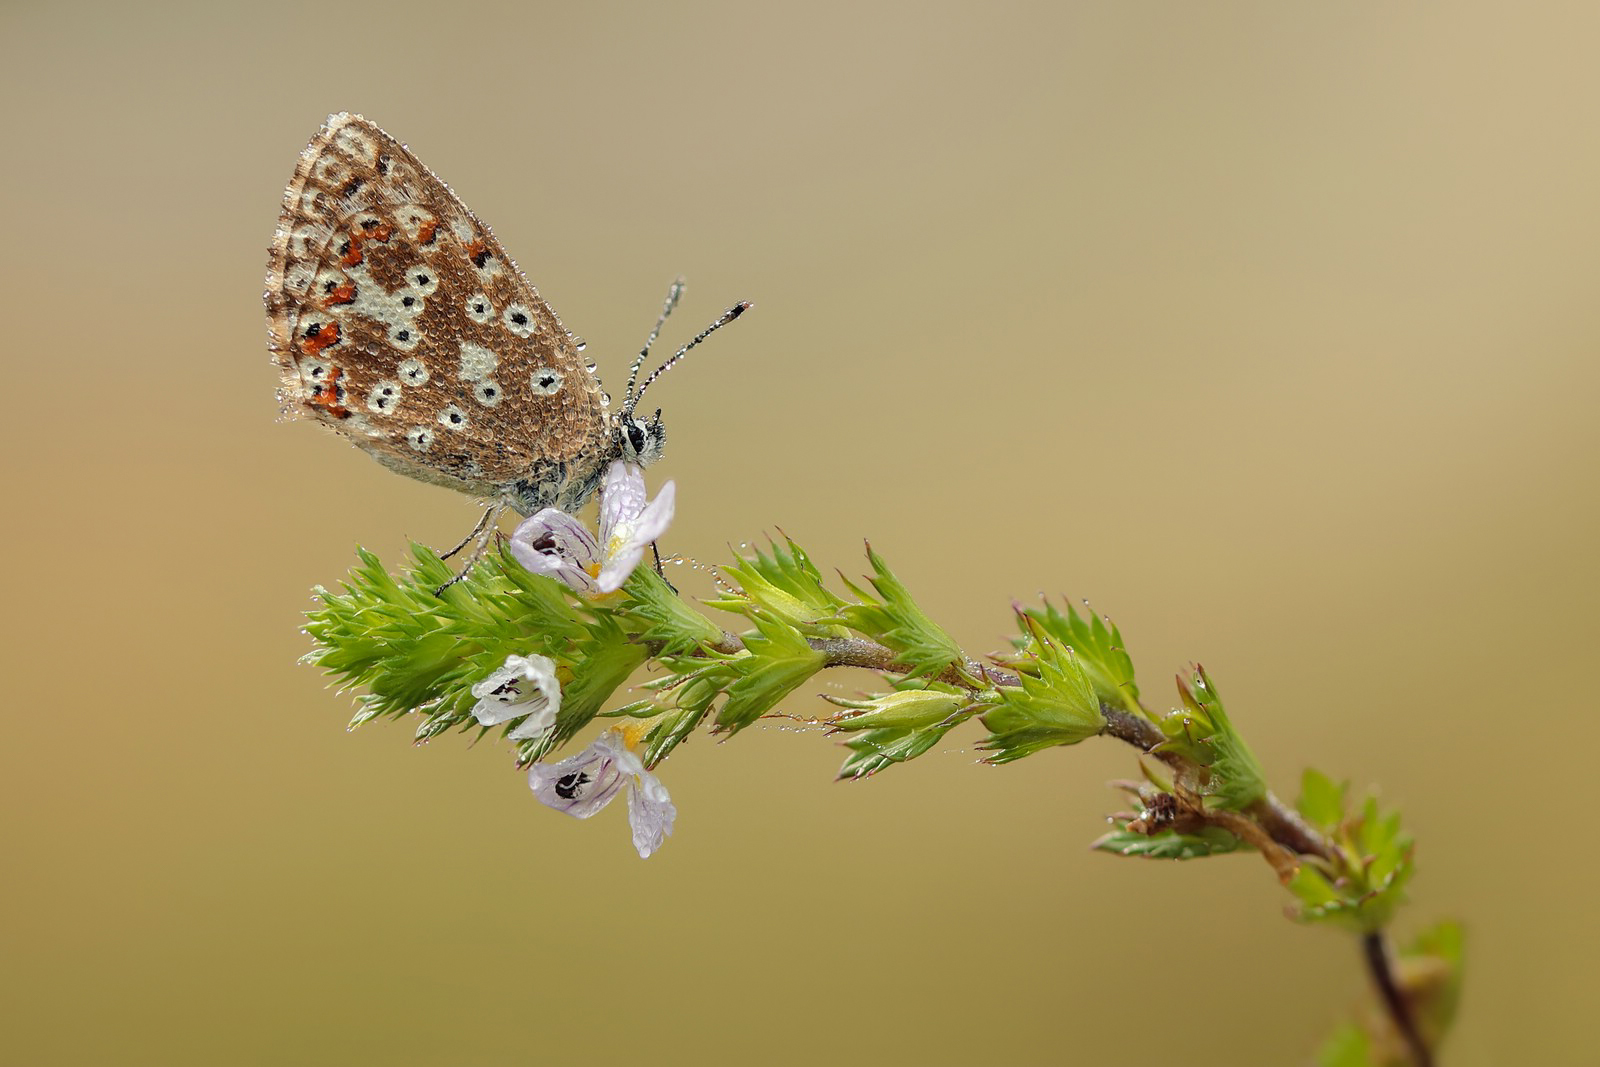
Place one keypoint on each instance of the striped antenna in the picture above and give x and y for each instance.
(727, 317)
(673, 293)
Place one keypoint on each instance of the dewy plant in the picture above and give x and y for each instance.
(537, 640)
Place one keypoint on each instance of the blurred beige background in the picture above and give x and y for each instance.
(1272, 329)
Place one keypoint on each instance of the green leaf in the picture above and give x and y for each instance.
(1348, 1047)
(1431, 970)
(777, 661)
(1203, 733)
(1428, 972)
(1055, 704)
(1098, 647)
(660, 615)
(893, 619)
(907, 708)
(1169, 844)
(605, 660)
(673, 729)
(415, 651)
(872, 751)
(1321, 800)
(1366, 880)
(785, 586)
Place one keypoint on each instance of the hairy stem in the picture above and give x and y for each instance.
(1281, 823)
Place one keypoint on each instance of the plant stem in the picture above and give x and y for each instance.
(1281, 822)
(1380, 962)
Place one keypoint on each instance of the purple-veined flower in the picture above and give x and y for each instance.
(526, 685)
(587, 782)
(553, 543)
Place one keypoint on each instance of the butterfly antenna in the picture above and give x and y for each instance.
(673, 294)
(727, 317)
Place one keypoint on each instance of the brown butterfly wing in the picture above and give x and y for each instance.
(396, 317)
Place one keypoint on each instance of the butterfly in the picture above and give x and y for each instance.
(396, 318)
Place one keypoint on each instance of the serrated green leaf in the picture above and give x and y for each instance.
(784, 585)
(874, 750)
(1321, 800)
(1203, 733)
(1169, 844)
(1098, 647)
(777, 662)
(672, 730)
(1370, 869)
(661, 616)
(894, 619)
(1055, 703)
(415, 651)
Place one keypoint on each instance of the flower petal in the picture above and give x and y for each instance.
(650, 814)
(631, 536)
(581, 785)
(557, 545)
(654, 519)
(538, 723)
(618, 567)
(526, 685)
(622, 497)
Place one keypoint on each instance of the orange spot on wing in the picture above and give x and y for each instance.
(344, 294)
(427, 232)
(329, 334)
(478, 252)
(326, 395)
(360, 236)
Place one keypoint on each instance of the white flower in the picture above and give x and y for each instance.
(554, 543)
(525, 686)
(587, 782)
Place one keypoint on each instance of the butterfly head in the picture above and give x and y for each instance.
(638, 441)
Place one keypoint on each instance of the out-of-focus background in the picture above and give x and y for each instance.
(1270, 329)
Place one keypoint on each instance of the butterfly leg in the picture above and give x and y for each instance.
(490, 512)
(479, 539)
(654, 551)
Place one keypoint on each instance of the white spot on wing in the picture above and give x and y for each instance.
(545, 381)
(353, 142)
(422, 279)
(384, 398)
(404, 336)
(519, 320)
(477, 362)
(487, 392)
